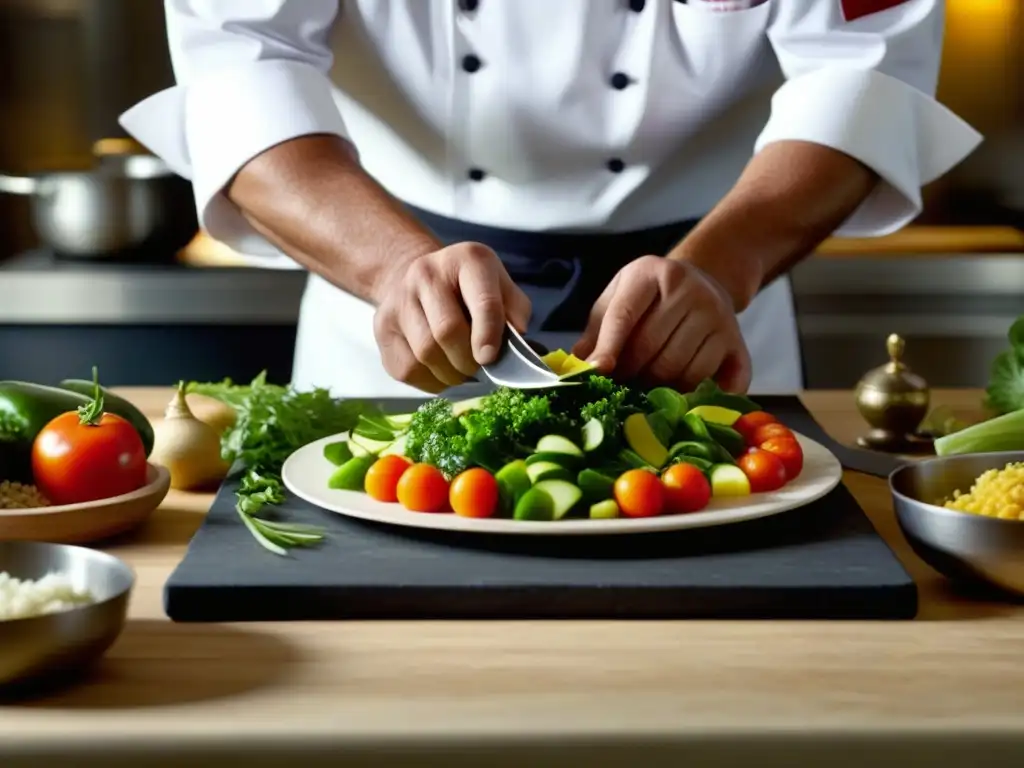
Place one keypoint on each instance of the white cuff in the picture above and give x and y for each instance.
(209, 129)
(905, 136)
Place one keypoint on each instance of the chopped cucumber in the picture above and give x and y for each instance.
(513, 483)
(564, 496)
(727, 437)
(364, 446)
(558, 444)
(716, 414)
(547, 470)
(593, 435)
(397, 447)
(595, 485)
(351, 475)
(400, 420)
(337, 452)
(642, 440)
(604, 510)
(566, 460)
(535, 504)
(729, 480)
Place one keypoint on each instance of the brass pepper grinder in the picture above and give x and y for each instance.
(894, 401)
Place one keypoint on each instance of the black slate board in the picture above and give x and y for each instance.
(822, 561)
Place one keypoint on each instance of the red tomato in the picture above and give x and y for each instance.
(422, 488)
(381, 482)
(686, 488)
(748, 423)
(639, 493)
(768, 431)
(73, 462)
(764, 470)
(474, 493)
(789, 451)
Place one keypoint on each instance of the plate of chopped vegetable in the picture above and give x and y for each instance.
(598, 458)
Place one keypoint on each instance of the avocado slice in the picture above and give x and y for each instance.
(642, 440)
(536, 504)
(593, 435)
(564, 496)
(558, 444)
(595, 485)
(513, 483)
(547, 470)
(351, 475)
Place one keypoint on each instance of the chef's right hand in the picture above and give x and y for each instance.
(425, 338)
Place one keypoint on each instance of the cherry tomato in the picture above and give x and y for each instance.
(422, 488)
(381, 482)
(748, 423)
(77, 458)
(768, 431)
(789, 451)
(474, 493)
(764, 470)
(639, 493)
(686, 488)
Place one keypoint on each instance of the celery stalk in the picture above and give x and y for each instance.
(1003, 433)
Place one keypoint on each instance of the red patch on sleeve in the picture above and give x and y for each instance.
(855, 9)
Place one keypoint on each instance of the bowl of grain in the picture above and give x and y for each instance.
(61, 608)
(964, 515)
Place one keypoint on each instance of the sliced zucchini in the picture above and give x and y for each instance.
(561, 459)
(564, 496)
(558, 444)
(547, 470)
(595, 485)
(397, 447)
(364, 446)
(593, 435)
(536, 504)
(400, 420)
(513, 483)
(465, 406)
(604, 510)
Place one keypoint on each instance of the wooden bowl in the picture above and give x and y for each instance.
(90, 521)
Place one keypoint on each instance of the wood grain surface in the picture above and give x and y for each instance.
(539, 693)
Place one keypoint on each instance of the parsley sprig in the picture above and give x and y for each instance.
(273, 421)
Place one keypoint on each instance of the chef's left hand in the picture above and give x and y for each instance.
(666, 321)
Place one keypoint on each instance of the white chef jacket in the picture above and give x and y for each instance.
(550, 115)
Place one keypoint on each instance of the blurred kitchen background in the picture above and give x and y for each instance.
(150, 303)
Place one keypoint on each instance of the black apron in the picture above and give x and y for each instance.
(562, 273)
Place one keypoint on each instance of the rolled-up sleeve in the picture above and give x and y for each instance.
(250, 74)
(865, 86)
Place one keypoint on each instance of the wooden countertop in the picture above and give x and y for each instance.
(918, 241)
(543, 693)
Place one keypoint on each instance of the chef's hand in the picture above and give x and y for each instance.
(666, 321)
(425, 338)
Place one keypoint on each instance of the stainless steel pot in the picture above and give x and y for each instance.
(129, 203)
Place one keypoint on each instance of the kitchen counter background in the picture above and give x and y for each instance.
(150, 324)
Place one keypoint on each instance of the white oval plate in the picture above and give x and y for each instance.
(306, 472)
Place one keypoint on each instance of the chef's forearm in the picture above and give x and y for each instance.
(791, 196)
(310, 198)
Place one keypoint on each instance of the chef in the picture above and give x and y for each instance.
(631, 179)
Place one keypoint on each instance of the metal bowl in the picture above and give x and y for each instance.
(53, 646)
(959, 545)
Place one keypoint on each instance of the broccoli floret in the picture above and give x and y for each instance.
(437, 437)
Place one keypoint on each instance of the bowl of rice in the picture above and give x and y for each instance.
(61, 608)
(964, 515)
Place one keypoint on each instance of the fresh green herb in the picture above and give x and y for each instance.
(1005, 392)
(91, 413)
(272, 422)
